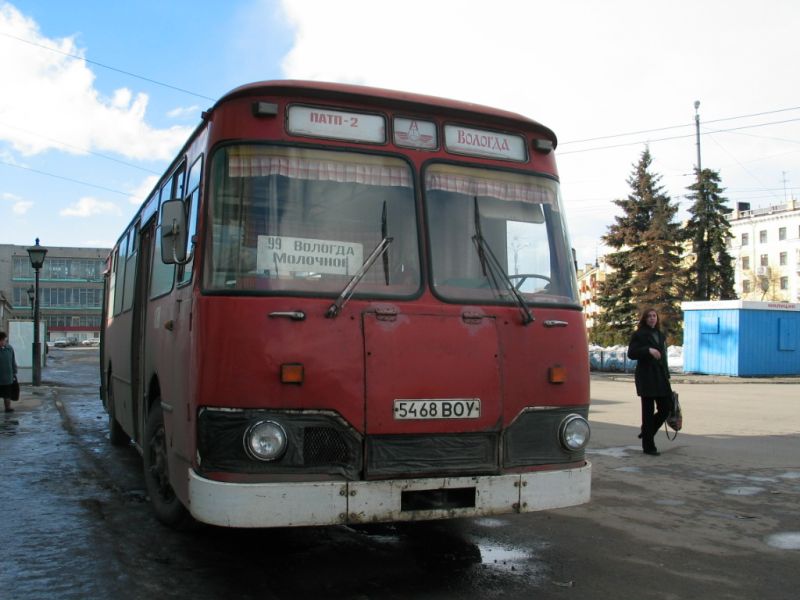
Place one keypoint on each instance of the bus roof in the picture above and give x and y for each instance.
(385, 97)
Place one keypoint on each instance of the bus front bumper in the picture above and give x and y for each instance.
(293, 504)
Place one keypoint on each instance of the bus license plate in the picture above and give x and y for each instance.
(454, 408)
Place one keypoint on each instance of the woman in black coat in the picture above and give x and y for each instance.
(648, 347)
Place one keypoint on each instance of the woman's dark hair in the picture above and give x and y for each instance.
(3, 335)
(643, 318)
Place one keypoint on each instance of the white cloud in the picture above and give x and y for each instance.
(141, 192)
(89, 207)
(19, 206)
(184, 112)
(49, 98)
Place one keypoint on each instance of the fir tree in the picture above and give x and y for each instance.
(659, 260)
(645, 263)
(712, 275)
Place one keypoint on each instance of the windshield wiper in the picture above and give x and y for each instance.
(493, 269)
(381, 249)
(385, 236)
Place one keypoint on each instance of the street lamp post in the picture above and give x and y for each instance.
(36, 254)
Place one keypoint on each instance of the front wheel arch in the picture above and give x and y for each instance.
(166, 504)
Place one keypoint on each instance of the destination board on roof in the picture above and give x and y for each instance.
(336, 124)
(479, 142)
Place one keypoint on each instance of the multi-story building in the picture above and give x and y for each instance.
(6, 312)
(70, 288)
(766, 250)
(589, 279)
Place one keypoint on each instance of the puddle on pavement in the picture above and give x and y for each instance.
(490, 523)
(8, 426)
(629, 469)
(507, 560)
(668, 502)
(619, 452)
(790, 475)
(785, 541)
(743, 490)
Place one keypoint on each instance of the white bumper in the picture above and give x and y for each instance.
(291, 504)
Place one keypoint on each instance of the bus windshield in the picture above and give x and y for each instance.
(515, 217)
(288, 220)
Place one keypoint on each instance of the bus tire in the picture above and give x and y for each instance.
(168, 508)
(116, 434)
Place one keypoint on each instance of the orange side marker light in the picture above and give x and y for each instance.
(292, 373)
(557, 374)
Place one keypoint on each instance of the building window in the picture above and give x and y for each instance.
(764, 260)
(782, 233)
(782, 259)
(746, 286)
(745, 263)
(63, 269)
(745, 239)
(762, 236)
(784, 283)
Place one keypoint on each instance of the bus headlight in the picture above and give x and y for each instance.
(265, 440)
(574, 433)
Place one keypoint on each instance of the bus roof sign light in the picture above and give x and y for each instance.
(336, 124)
(479, 142)
(414, 133)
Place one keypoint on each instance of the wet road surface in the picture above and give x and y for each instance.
(715, 517)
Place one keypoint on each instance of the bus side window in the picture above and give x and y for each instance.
(192, 205)
(119, 274)
(161, 275)
(130, 269)
(112, 282)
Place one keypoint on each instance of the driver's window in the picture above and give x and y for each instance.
(528, 255)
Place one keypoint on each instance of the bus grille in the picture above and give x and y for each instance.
(431, 454)
(322, 446)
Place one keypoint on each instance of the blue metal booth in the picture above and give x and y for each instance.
(741, 338)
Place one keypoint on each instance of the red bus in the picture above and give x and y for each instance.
(344, 305)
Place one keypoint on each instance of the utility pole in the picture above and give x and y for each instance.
(697, 129)
(702, 253)
(785, 196)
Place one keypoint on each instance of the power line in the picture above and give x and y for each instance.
(110, 68)
(616, 135)
(676, 137)
(99, 187)
(86, 150)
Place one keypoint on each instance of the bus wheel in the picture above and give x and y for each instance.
(116, 434)
(167, 506)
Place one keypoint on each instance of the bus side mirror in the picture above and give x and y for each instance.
(173, 233)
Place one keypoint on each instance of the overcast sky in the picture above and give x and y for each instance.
(96, 96)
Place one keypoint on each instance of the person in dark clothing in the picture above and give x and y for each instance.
(648, 348)
(8, 371)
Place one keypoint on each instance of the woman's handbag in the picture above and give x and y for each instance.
(675, 419)
(15, 389)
